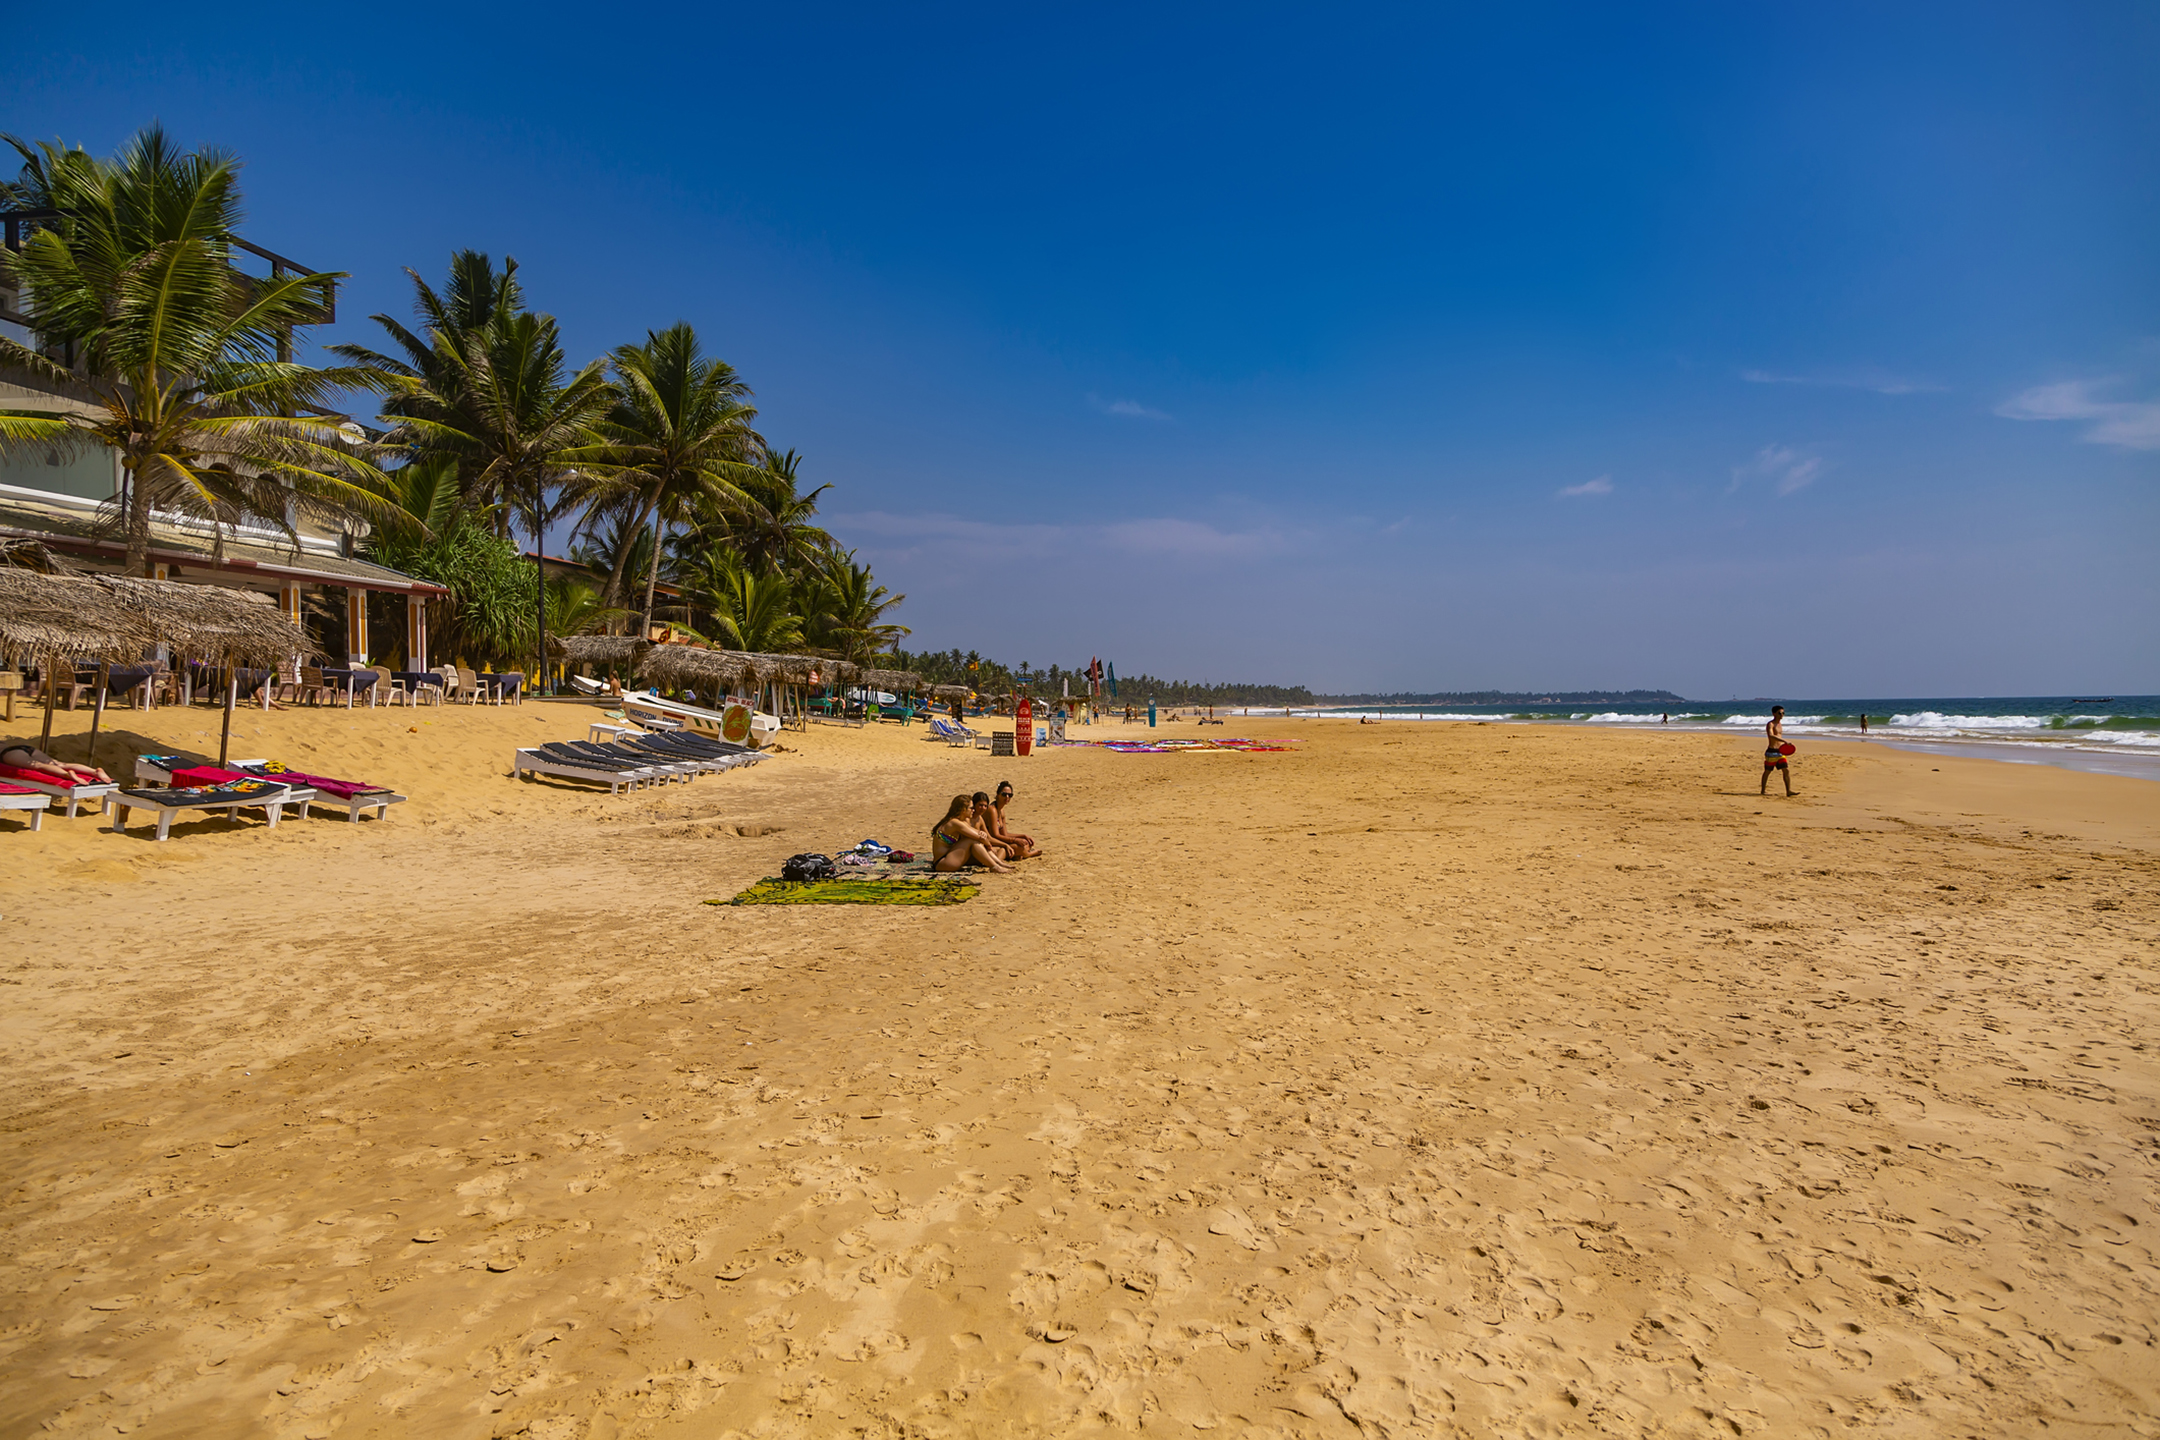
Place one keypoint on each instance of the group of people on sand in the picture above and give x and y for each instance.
(974, 832)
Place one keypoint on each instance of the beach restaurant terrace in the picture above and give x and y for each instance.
(294, 572)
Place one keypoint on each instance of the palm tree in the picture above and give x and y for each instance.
(679, 443)
(491, 394)
(429, 375)
(849, 608)
(775, 536)
(178, 356)
(750, 612)
(576, 608)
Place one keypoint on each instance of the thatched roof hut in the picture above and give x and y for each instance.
(950, 692)
(899, 682)
(58, 615)
(597, 649)
(211, 622)
(812, 670)
(687, 665)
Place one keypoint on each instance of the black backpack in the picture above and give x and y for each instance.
(808, 867)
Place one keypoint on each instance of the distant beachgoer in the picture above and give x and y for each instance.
(954, 842)
(1023, 847)
(1665, 719)
(1774, 755)
(29, 757)
(1863, 722)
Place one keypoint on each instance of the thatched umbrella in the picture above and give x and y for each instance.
(677, 666)
(212, 622)
(618, 651)
(56, 617)
(900, 682)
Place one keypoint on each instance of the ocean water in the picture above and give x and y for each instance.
(2119, 734)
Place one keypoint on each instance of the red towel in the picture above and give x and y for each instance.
(207, 775)
(36, 777)
(18, 790)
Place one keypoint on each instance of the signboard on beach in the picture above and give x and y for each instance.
(735, 723)
(1024, 726)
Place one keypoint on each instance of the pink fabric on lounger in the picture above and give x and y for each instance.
(15, 772)
(207, 775)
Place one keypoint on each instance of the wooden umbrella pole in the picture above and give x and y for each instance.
(97, 713)
(52, 668)
(232, 694)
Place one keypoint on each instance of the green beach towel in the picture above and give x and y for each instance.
(919, 888)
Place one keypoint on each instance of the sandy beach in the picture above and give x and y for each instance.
(1478, 1080)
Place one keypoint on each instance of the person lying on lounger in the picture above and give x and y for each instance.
(955, 842)
(29, 757)
(991, 816)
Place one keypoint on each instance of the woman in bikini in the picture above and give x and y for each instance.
(1017, 846)
(1774, 756)
(955, 841)
(29, 757)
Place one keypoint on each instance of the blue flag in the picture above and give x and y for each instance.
(1113, 680)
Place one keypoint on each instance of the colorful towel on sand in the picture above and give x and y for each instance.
(1185, 747)
(916, 888)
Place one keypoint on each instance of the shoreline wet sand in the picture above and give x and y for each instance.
(1477, 1079)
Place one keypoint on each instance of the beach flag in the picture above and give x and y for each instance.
(1113, 680)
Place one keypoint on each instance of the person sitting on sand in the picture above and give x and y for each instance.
(955, 842)
(29, 757)
(992, 819)
(1774, 756)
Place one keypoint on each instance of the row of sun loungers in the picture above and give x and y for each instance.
(172, 785)
(633, 759)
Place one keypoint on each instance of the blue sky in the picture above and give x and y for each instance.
(1813, 352)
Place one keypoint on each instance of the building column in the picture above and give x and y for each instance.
(416, 632)
(356, 636)
(288, 597)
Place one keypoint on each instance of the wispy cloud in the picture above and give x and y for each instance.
(1878, 381)
(1602, 485)
(2127, 424)
(1130, 409)
(1151, 537)
(1782, 466)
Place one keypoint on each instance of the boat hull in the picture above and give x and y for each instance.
(737, 724)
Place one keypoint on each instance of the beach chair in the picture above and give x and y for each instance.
(309, 790)
(32, 803)
(534, 762)
(71, 791)
(390, 687)
(232, 798)
(951, 734)
(470, 690)
(660, 750)
(663, 767)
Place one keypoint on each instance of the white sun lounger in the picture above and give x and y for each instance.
(532, 762)
(100, 791)
(34, 805)
(271, 802)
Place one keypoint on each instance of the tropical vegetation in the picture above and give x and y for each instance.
(679, 513)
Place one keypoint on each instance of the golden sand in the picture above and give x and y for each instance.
(1428, 1080)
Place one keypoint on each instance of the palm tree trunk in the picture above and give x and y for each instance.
(613, 594)
(135, 503)
(539, 594)
(652, 582)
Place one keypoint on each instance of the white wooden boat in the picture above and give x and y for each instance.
(735, 723)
